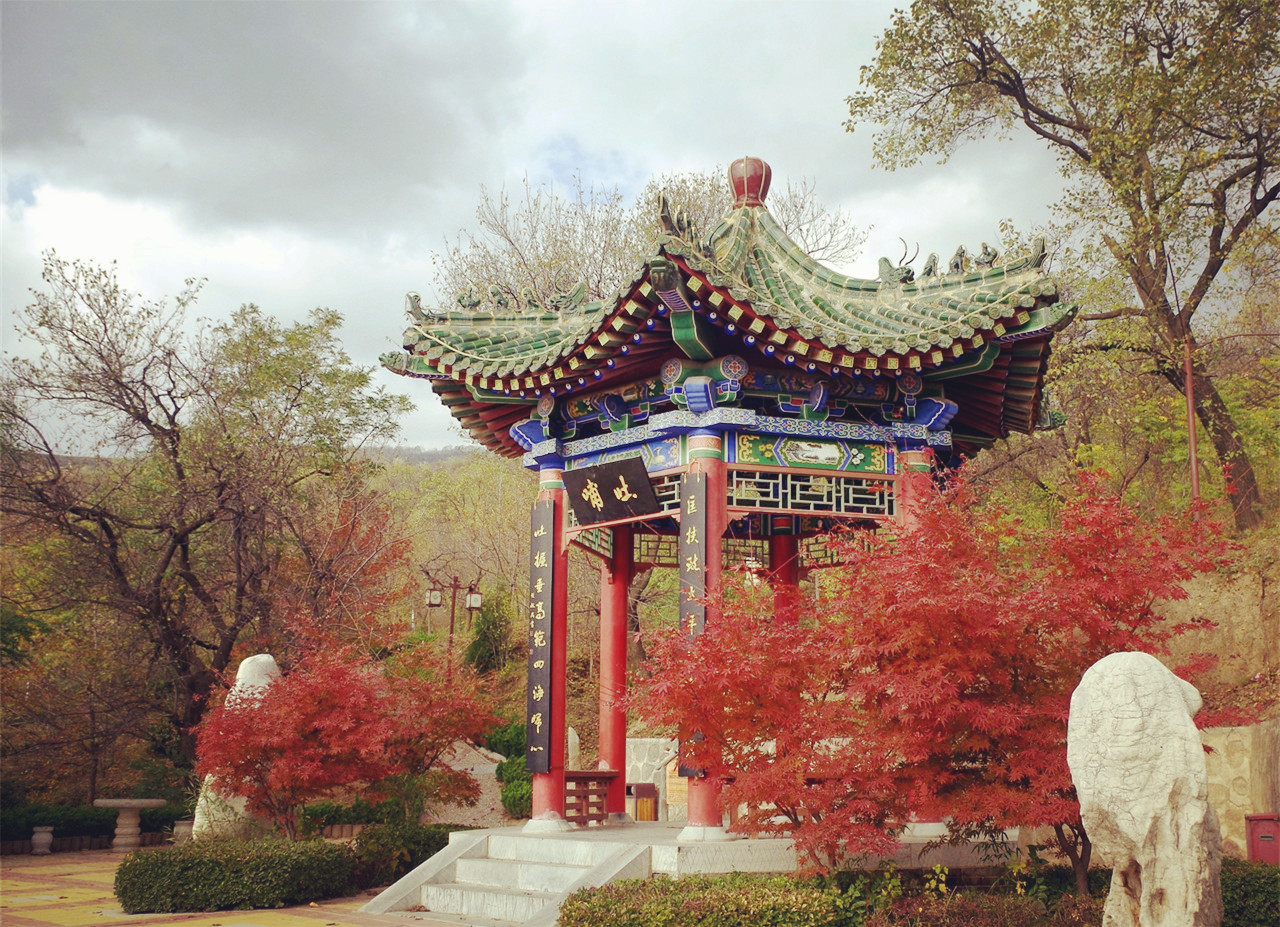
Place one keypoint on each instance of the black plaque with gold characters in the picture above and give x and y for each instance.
(693, 551)
(611, 492)
(541, 587)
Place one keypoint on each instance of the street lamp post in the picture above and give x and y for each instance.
(435, 598)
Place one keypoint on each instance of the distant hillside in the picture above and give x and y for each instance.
(436, 457)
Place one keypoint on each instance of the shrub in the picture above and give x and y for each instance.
(513, 770)
(219, 875)
(159, 820)
(707, 901)
(66, 821)
(316, 816)
(967, 909)
(961, 910)
(384, 852)
(1250, 894)
(509, 740)
(1070, 911)
(517, 798)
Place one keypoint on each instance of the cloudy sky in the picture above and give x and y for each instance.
(302, 154)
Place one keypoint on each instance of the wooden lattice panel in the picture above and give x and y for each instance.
(830, 494)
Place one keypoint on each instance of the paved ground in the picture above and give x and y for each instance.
(74, 890)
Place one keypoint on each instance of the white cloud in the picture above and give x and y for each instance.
(302, 155)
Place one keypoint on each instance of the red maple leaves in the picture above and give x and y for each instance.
(930, 676)
(337, 720)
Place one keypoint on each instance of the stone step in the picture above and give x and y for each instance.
(518, 873)
(504, 904)
(565, 851)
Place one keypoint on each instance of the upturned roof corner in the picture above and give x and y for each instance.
(981, 326)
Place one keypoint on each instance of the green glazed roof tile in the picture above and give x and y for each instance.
(782, 293)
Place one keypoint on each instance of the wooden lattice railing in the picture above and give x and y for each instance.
(585, 792)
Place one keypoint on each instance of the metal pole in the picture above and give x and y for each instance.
(453, 611)
(1188, 390)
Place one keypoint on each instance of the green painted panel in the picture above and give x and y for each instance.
(810, 453)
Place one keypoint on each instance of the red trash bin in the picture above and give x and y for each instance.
(1262, 833)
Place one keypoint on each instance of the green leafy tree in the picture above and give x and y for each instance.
(197, 447)
(16, 631)
(493, 644)
(76, 712)
(1165, 117)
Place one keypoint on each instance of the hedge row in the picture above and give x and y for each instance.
(219, 875)
(384, 852)
(707, 901)
(975, 909)
(319, 815)
(1251, 898)
(1250, 894)
(81, 820)
(216, 875)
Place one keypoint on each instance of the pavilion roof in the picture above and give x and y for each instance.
(755, 292)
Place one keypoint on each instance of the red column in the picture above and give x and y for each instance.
(913, 468)
(548, 787)
(784, 569)
(615, 580)
(706, 455)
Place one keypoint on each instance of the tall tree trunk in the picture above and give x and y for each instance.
(1224, 435)
(636, 655)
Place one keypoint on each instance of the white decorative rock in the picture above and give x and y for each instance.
(224, 815)
(1138, 765)
(254, 674)
(573, 752)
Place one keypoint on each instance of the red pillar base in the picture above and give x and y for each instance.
(548, 804)
(706, 821)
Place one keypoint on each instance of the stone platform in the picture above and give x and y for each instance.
(507, 876)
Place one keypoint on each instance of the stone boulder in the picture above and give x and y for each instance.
(1139, 770)
(223, 815)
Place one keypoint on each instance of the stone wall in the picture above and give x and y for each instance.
(1245, 607)
(647, 761)
(1244, 777)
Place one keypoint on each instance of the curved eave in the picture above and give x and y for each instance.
(768, 299)
(524, 356)
(815, 317)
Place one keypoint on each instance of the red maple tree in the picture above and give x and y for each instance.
(930, 678)
(338, 720)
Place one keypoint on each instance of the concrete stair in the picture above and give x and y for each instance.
(505, 878)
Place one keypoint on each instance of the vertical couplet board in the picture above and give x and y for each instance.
(693, 565)
(694, 546)
(542, 555)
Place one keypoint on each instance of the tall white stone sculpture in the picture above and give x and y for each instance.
(217, 813)
(1138, 765)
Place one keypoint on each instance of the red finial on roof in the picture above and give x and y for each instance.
(749, 178)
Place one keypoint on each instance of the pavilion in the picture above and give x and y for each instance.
(733, 402)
